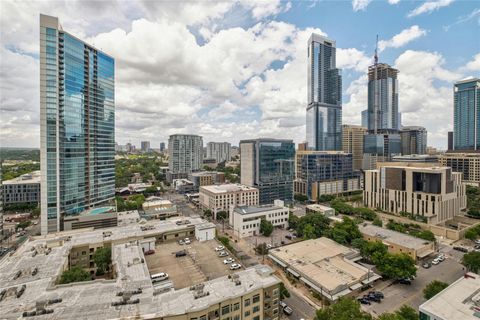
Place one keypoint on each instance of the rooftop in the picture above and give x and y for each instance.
(32, 177)
(394, 237)
(318, 207)
(245, 210)
(225, 188)
(460, 301)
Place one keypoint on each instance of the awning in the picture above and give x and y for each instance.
(277, 261)
(371, 279)
(356, 286)
(341, 294)
(425, 253)
(315, 287)
(293, 272)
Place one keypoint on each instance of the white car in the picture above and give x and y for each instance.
(187, 241)
(435, 261)
(220, 248)
(159, 277)
(477, 241)
(223, 254)
(235, 266)
(228, 261)
(269, 246)
(441, 257)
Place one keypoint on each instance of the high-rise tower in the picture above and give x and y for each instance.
(324, 109)
(466, 115)
(77, 125)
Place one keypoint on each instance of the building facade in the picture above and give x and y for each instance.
(162, 146)
(23, 189)
(185, 153)
(268, 164)
(245, 220)
(352, 142)
(379, 147)
(206, 178)
(434, 193)
(220, 151)
(414, 140)
(365, 118)
(468, 163)
(77, 125)
(221, 197)
(324, 109)
(324, 172)
(145, 146)
(466, 114)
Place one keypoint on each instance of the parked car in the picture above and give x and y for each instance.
(435, 261)
(426, 265)
(228, 261)
(288, 311)
(223, 254)
(149, 252)
(373, 297)
(477, 241)
(363, 301)
(477, 246)
(269, 246)
(159, 277)
(462, 249)
(180, 242)
(441, 257)
(235, 266)
(181, 253)
(187, 241)
(282, 304)
(377, 294)
(405, 281)
(220, 248)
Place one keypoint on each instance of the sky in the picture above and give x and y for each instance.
(232, 70)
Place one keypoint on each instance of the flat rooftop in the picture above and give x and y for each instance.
(246, 210)
(394, 237)
(319, 207)
(31, 177)
(459, 301)
(226, 188)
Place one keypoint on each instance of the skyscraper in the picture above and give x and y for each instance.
(324, 109)
(352, 137)
(365, 118)
(162, 146)
(466, 114)
(185, 155)
(414, 140)
(220, 151)
(268, 164)
(77, 125)
(145, 146)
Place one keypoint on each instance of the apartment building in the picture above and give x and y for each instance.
(467, 163)
(352, 142)
(23, 189)
(206, 178)
(220, 197)
(435, 193)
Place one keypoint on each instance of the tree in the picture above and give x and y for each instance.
(320, 224)
(309, 232)
(207, 213)
(344, 232)
(471, 234)
(300, 197)
(433, 288)
(103, 259)
(407, 313)
(373, 250)
(222, 215)
(395, 266)
(284, 293)
(377, 222)
(261, 249)
(365, 213)
(426, 235)
(266, 227)
(23, 225)
(345, 308)
(471, 260)
(75, 274)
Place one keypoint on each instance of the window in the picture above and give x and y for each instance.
(247, 302)
(203, 317)
(256, 318)
(236, 318)
(247, 313)
(256, 309)
(256, 298)
(275, 292)
(225, 310)
(236, 306)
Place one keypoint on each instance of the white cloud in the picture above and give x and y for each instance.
(429, 7)
(393, 1)
(474, 65)
(353, 58)
(401, 39)
(359, 5)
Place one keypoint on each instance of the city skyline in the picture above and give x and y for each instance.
(261, 88)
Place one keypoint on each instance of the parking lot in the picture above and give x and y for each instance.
(275, 239)
(200, 264)
(397, 295)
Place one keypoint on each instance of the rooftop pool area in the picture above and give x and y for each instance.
(101, 210)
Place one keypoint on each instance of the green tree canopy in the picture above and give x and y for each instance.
(300, 197)
(433, 288)
(345, 232)
(309, 232)
(75, 274)
(222, 215)
(103, 259)
(377, 222)
(395, 266)
(471, 260)
(284, 293)
(266, 227)
(344, 309)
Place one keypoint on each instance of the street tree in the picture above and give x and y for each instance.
(103, 259)
(266, 227)
(471, 260)
(433, 288)
(344, 309)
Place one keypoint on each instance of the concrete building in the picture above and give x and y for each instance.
(434, 193)
(365, 118)
(97, 218)
(23, 189)
(245, 220)
(220, 197)
(324, 85)
(323, 265)
(206, 178)
(417, 158)
(162, 146)
(467, 163)
(268, 164)
(220, 151)
(159, 209)
(319, 209)
(380, 147)
(29, 279)
(145, 146)
(414, 140)
(352, 142)
(184, 186)
(324, 172)
(459, 301)
(185, 154)
(466, 114)
(450, 140)
(398, 242)
(77, 125)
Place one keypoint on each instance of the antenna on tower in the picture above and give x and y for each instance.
(375, 58)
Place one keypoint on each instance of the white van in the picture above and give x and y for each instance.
(159, 277)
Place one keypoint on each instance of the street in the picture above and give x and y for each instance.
(301, 309)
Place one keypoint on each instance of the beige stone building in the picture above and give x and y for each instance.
(465, 162)
(220, 197)
(435, 193)
(352, 142)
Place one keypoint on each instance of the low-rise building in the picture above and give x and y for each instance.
(398, 242)
(465, 162)
(206, 178)
(245, 220)
(323, 265)
(459, 301)
(319, 209)
(220, 197)
(435, 193)
(184, 186)
(417, 158)
(159, 209)
(23, 189)
(101, 217)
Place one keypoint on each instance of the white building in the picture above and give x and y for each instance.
(185, 153)
(220, 151)
(220, 197)
(205, 231)
(245, 220)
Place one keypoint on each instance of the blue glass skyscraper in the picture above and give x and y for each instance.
(324, 109)
(77, 125)
(466, 115)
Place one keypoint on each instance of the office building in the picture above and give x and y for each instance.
(157, 208)
(459, 301)
(24, 189)
(77, 125)
(414, 140)
(206, 178)
(435, 194)
(324, 266)
(365, 118)
(221, 197)
(352, 142)
(220, 151)
(468, 163)
(450, 140)
(380, 147)
(418, 158)
(97, 218)
(398, 242)
(185, 155)
(145, 146)
(162, 146)
(324, 85)
(245, 220)
(466, 114)
(268, 164)
(324, 172)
